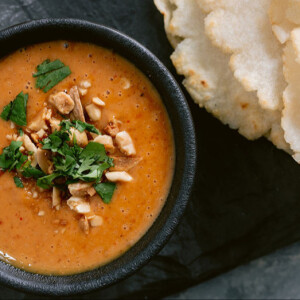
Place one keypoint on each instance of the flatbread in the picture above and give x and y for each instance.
(285, 20)
(242, 28)
(208, 78)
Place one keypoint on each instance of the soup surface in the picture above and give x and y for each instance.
(35, 236)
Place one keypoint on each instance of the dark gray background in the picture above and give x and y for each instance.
(245, 201)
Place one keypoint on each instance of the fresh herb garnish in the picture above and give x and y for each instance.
(11, 157)
(21, 132)
(16, 110)
(18, 182)
(73, 163)
(79, 125)
(50, 74)
(105, 190)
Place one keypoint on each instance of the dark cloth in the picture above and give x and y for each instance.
(246, 199)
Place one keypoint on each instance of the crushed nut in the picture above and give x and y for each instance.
(125, 143)
(125, 83)
(81, 189)
(95, 221)
(62, 102)
(38, 122)
(85, 84)
(97, 101)
(93, 111)
(43, 160)
(118, 176)
(84, 225)
(105, 140)
(41, 133)
(54, 124)
(112, 127)
(82, 91)
(81, 137)
(56, 198)
(79, 205)
(41, 213)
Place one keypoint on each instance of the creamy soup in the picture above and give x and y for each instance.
(41, 229)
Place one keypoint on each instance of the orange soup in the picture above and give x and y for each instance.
(65, 211)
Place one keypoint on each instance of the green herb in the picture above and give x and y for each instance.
(56, 140)
(105, 190)
(46, 182)
(21, 132)
(29, 171)
(16, 110)
(11, 158)
(79, 125)
(18, 182)
(50, 74)
(70, 163)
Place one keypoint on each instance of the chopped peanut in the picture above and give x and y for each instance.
(41, 133)
(95, 221)
(125, 83)
(81, 137)
(35, 137)
(54, 124)
(62, 102)
(28, 144)
(43, 160)
(79, 205)
(97, 101)
(82, 91)
(112, 127)
(85, 84)
(105, 140)
(84, 225)
(93, 111)
(125, 143)
(81, 189)
(38, 122)
(118, 176)
(56, 198)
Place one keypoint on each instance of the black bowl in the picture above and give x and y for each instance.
(69, 29)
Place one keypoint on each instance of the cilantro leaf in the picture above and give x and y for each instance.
(21, 132)
(95, 150)
(16, 110)
(55, 140)
(46, 182)
(6, 111)
(50, 74)
(29, 171)
(105, 190)
(18, 182)
(48, 66)
(11, 158)
(79, 125)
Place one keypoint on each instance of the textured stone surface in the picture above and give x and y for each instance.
(246, 198)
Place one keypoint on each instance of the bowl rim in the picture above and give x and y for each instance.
(36, 284)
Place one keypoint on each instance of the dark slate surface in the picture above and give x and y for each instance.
(246, 198)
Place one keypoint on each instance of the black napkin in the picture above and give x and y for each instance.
(246, 199)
